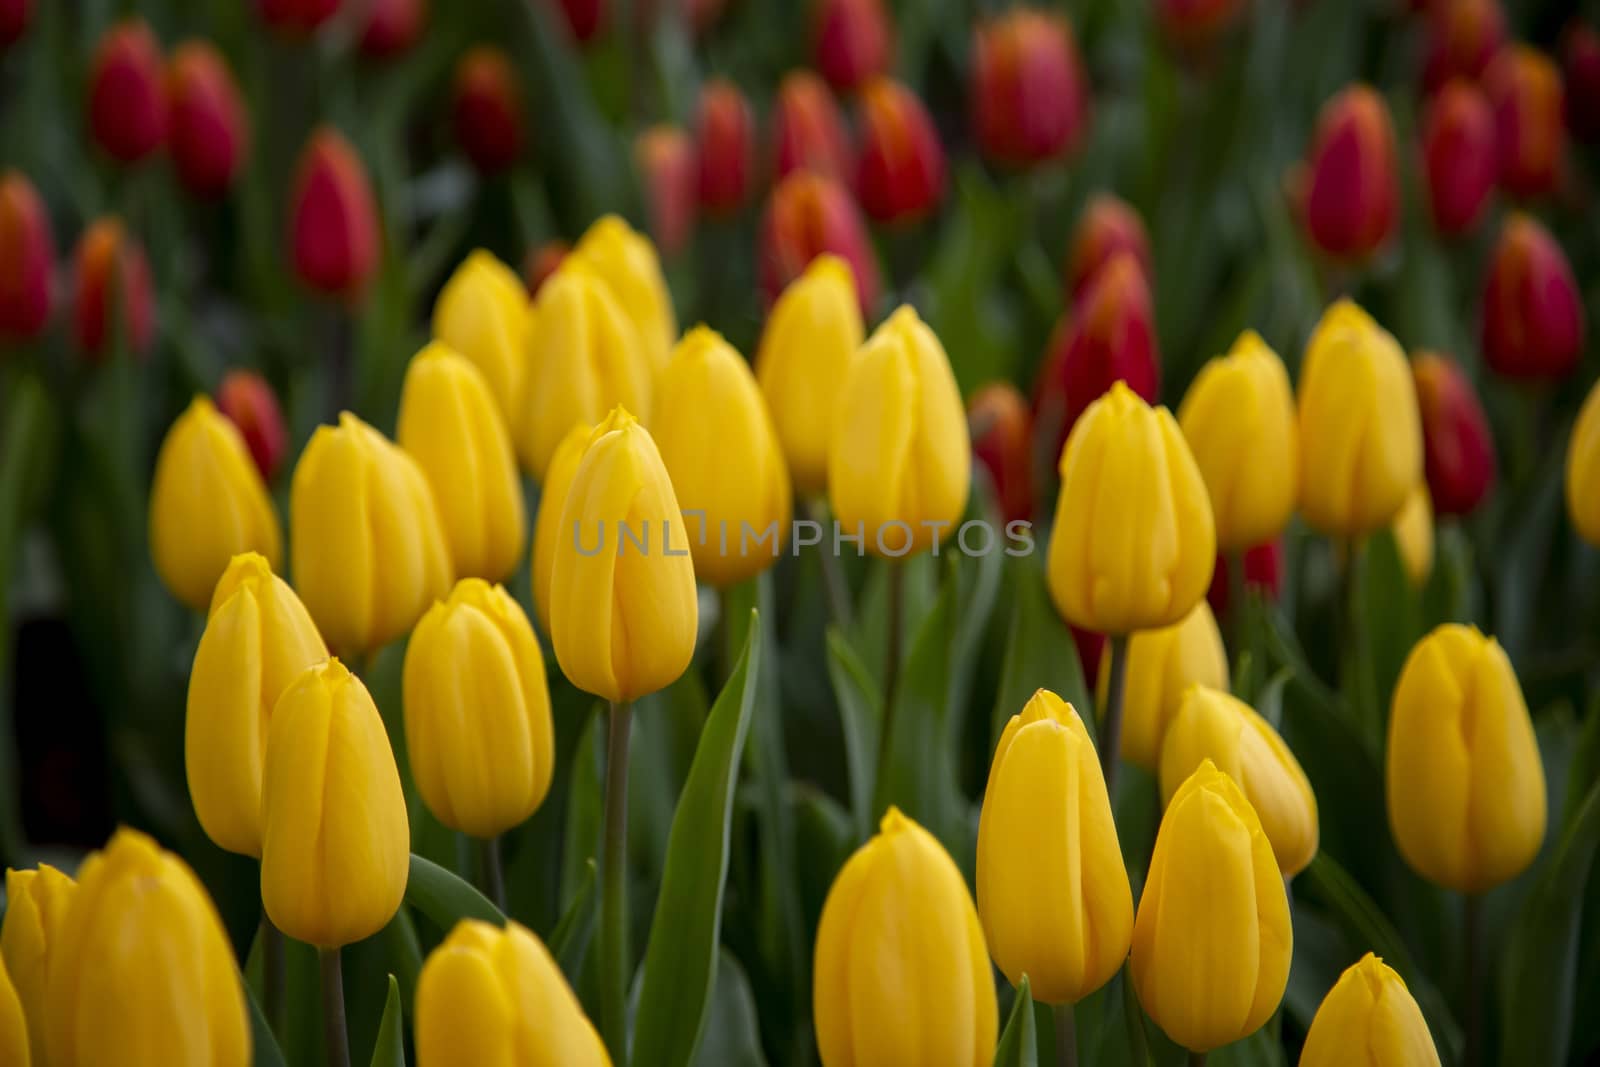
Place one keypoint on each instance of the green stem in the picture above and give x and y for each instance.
(1111, 734)
(891, 672)
(833, 584)
(273, 980)
(491, 871)
(1197, 1059)
(614, 966)
(1133, 1016)
(1472, 1016)
(1066, 1035)
(334, 1030)
(1237, 592)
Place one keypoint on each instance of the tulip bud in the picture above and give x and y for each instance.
(1163, 664)
(1532, 310)
(900, 460)
(1238, 417)
(547, 530)
(369, 550)
(1263, 572)
(807, 130)
(1029, 94)
(585, 18)
(1090, 647)
(1002, 442)
(482, 313)
(1052, 890)
(15, 15)
(109, 265)
(669, 173)
(249, 403)
(1524, 90)
(297, 18)
(810, 215)
(1457, 446)
(902, 974)
(488, 113)
(13, 1025)
(1459, 155)
(1212, 940)
(493, 995)
(1581, 49)
(1413, 535)
(1583, 470)
(209, 132)
(1465, 782)
(29, 251)
(900, 178)
(393, 27)
(1353, 186)
(36, 903)
(540, 262)
(1369, 1019)
(141, 935)
(583, 358)
(1360, 433)
(851, 41)
(477, 711)
(724, 147)
(332, 812)
(623, 622)
(1462, 37)
(334, 230)
(1134, 541)
(449, 424)
(626, 260)
(127, 111)
(1108, 226)
(1195, 24)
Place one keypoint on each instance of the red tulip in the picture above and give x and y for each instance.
(901, 174)
(1091, 646)
(249, 402)
(1458, 449)
(209, 133)
(807, 130)
(724, 147)
(334, 232)
(1002, 442)
(1524, 90)
(585, 18)
(27, 260)
(127, 110)
(1532, 312)
(1109, 225)
(488, 109)
(852, 41)
(670, 174)
(541, 262)
(393, 26)
(297, 18)
(1194, 24)
(1030, 97)
(1353, 186)
(810, 214)
(14, 18)
(1459, 156)
(1581, 51)
(1462, 37)
(1263, 572)
(110, 264)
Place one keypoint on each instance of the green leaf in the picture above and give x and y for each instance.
(732, 1034)
(267, 1053)
(1019, 1043)
(584, 813)
(390, 1049)
(680, 961)
(860, 712)
(569, 941)
(1040, 654)
(446, 899)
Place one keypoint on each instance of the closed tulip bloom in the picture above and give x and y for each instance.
(541, 261)
(1580, 50)
(1109, 225)
(109, 264)
(36, 902)
(807, 130)
(628, 263)
(1214, 725)
(902, 974)
(585, 18)
(810, 215)
(1263, 572)
(1465, 782)
(333, 219)
(495, 996)
(1353, 196)
(1162, 666)
(393, 26)
(1360, 433)
(851, 41)
(1413, 535)
(487, 109)
(1369, 1019)
(210, 133)
(1002, 442)
(15, 16)
(127, 109)
(1532, 309)
(369, 550)
(1583, 470)
(297, 18)
(477, 711)
(1457, 446)
(258, 638)
(1462, 36)
(1029, 94)
(1238, 417)
(27, 246)
(623, 616)
(13, 1025)
(547, 529)
(669, 174)
(1134, 541)
(1524, 89)
(1052, 889)
(141, 936)
(336, 845)
(250, 404)
(207, 505)
(1459, 156)
(900, 462)
(482, 313)
(901, 174)
(807, 348)
(1212, 940)
(724, 147)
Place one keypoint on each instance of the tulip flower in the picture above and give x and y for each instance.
(1029, 94)
(127, 110)
(141, 936)
(1583, 470)
(1212, 940)
(1263, 572)
(1211, 724)
(1457, 446)
(1353, 192)
(1002, 442)
(585, 18)
(669, 173)
(477, 711)
(449, 424)
(1052, 889)
(1108, 226)
(1194, 24)
(724, 148)
(901, 174)
(297, 18)
(209, 132)
(333, 218)
(28, 248)
(369, 550)
(902, 974)
(258, 638)
(1413, 535)
(1462, 36)
(1532, 309)
(583, 358)
(808, 216)
(109, 264)
(336, 844)
(851, 41)
(36, 902)
(627, 262)
(540, 262)
(482, 313)
(393, 26)
(1369, 1019)
(1090, 647)
(547, 529)
(248, 402)
(1163, 664)
(1524, 90)
(808, 132)
(1360, 432)
(13, 1025)
(1238, 417)
(493, 995)
(15, 15)
(1581, 63)
(487, 109)
(1459, 156)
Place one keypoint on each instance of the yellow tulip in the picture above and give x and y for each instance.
(369, 550)
(807, 348)
(547, 524)
(1583, 469)
(1239, 420)
(482, 313)
(1212, 724)
(207, 504)
(900, 460)
(1413, 534)
(1052, 890)
(1133, 543)
(627, 260)
(902, 975)
(583, 360)
(1368, 1019)
(336, 845)
(494, 997)
(450, 426)
(257, 640)
(1465, 782)
(718, 443)
(13, 1025)
(142, 974)
(1162, 665)
(477, 711)
(1360, 431)
(1212, 940)
(36, 902)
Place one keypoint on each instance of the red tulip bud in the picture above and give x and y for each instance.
(1581, 51)
(297, 18)
(1458, 448)
(585, 18)
(1263, 572)
(1353, 188)
(27, 260)
(670, 176)
(851, 42)
(209, 132)
(808, 131)
(1091, 646)
(901, 174)
(810, 214)
(334, 230)
(14, 18)
(1030, 98)
(249, 402)
(1195, 24)
(393, 26)
(110, 264)
(1462, 37)
(1108, 226)
(541, 262)
(1524, 90)
(1002, 442)
(1532, 313)
(724, 145)
(127, 110)
(1459, 155)
(488, 109)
